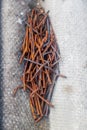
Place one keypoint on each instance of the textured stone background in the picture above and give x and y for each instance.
(16, 114)
(69, 19)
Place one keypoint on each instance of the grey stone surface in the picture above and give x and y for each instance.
(16, 110)
(69, 19)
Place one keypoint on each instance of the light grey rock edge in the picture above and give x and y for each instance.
(16, 110)
(69, 19)
(1, 71)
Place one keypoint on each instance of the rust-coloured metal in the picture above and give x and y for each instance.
(41, 56)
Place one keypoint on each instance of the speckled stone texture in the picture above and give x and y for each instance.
(69, 19)
(16, 110)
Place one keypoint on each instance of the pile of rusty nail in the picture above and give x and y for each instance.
(40, 55)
